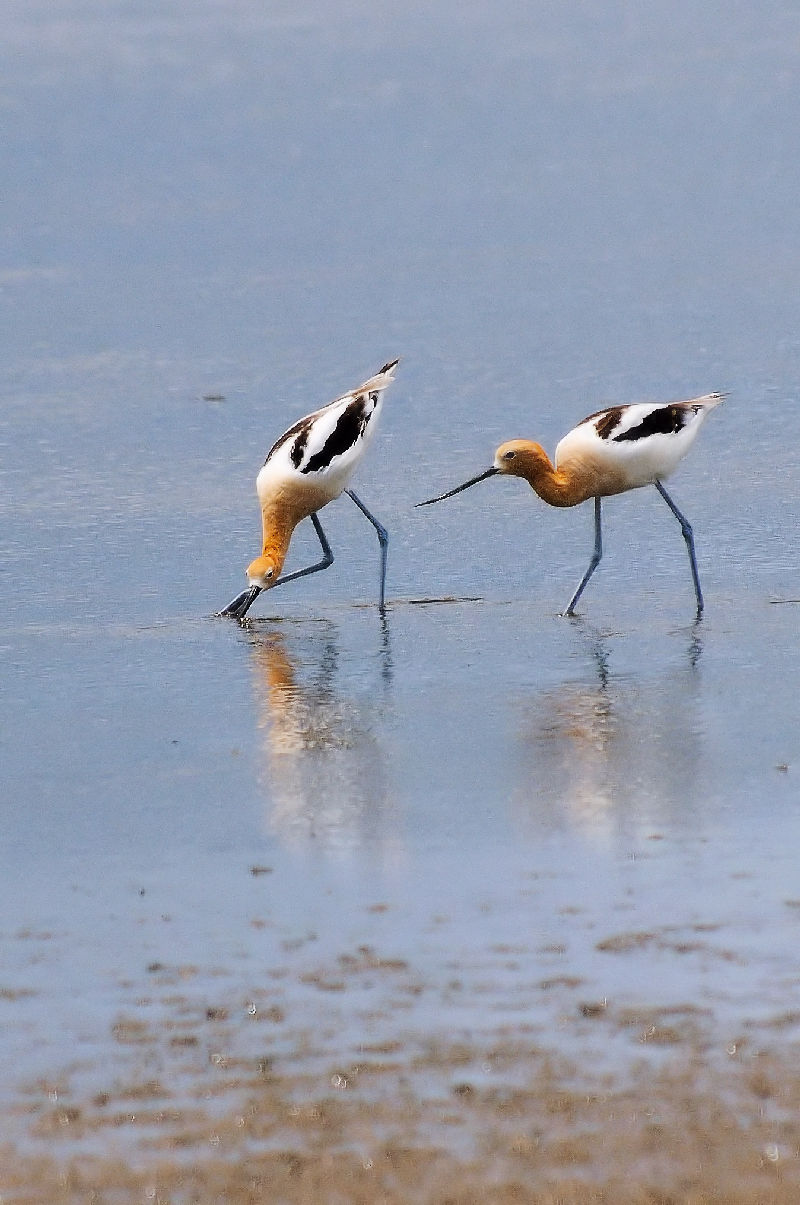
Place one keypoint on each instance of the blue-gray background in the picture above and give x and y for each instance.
(539, 208)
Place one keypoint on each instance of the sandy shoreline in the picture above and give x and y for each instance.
(191, 1113)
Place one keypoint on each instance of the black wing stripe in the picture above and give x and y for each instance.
(301, 430)
(349, 428)
(607, 420)
(666, 420)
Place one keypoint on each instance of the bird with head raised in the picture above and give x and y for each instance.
(614, 450)
(310, 465)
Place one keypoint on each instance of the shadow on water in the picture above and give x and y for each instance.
(610, 751)
(324, 768)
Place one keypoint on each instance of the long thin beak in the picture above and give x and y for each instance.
(472, 481)
(239, 606)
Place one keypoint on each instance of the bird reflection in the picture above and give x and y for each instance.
(608, 751)
(324, 771)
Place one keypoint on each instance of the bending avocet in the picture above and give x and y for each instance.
(614, 450)
(309, 466)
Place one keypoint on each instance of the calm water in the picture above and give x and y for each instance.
(539, 208)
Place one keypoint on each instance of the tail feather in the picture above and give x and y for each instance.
(380, 381)
(710, 399)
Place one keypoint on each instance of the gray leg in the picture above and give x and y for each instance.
(383, 540)
(593, 563)
(688, 536)
(325, 563)
(239, 606)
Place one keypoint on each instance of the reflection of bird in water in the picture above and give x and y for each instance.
(615, 450)
(309, 466)
(610, 751)
(324, 767)
(572, 734)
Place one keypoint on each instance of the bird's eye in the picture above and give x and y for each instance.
(269, 573)
(509, 455)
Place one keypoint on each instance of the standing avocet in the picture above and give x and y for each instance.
(612, 451)
(309, 466)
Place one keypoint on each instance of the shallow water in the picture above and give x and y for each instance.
(504, 820)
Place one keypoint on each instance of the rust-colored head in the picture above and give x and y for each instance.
(265, 570)
(516, 458)
(521, 458)
(526, 459)
(567, 486)
(277, 527)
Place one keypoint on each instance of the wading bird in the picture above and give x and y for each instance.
(309, 466)
(614, 450)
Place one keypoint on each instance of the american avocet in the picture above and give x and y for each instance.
(612, 451)
(309, 466)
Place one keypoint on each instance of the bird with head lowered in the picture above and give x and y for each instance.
(308, 467)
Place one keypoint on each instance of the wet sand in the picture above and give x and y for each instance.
(229, 1100)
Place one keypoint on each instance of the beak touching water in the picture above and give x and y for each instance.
(239, 606)
(472, 481)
